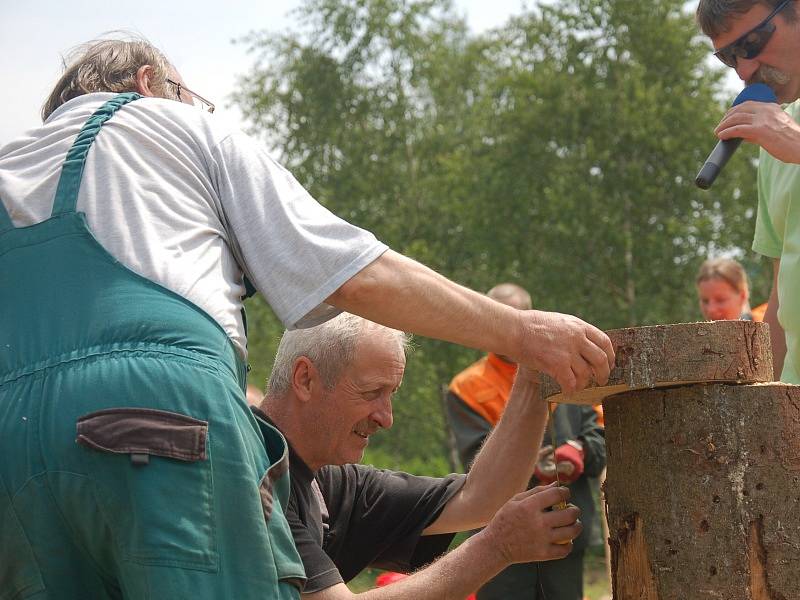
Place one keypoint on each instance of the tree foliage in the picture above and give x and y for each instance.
(557, 151)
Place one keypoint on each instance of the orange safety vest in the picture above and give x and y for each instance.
(485, 386)
(758, 312)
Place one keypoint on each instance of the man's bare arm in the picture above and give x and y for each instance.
(522, 531)
(776, 334)
(505, 463)
(404, 294)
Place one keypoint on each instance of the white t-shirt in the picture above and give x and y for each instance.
(193, 206)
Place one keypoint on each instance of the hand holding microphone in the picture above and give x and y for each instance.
(758, 92)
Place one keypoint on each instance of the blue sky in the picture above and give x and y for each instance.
(197, 36)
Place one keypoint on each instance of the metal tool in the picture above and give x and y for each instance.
(561, 505)
(552, 407)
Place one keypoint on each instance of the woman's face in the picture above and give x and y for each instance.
(719, 300)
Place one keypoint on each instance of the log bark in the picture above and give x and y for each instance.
(703, 492)
(681, 354)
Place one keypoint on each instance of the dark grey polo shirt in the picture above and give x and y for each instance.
(346, 518)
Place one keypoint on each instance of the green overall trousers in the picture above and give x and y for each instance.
(130, 465)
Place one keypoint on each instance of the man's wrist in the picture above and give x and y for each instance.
(488, 546)
(515, 337)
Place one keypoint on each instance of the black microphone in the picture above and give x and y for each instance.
(757, 92)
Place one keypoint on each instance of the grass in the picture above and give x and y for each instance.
(596, 585)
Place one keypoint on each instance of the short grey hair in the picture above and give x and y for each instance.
(714, 16)
(108, 65)
(330, 346)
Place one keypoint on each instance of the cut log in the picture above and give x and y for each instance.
(681, 354)
(703, 492)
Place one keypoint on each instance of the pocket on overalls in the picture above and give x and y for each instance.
(153, 471)
(19, 574)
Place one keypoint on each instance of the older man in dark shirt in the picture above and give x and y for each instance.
(331, 388)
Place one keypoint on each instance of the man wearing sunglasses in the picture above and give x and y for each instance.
(761, 40)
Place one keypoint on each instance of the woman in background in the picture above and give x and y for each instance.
(723, 291)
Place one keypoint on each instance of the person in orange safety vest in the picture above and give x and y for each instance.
(475, 401)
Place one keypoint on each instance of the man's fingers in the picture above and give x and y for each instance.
(596, 358)
(582, 373)
(567, 380)
(540, 488)
(602, 341)
(745, 131)
(566, 517)
(522, 496)
(598, 362)
(562, 535)
(740, 120)
(547, 497)
(737, 120)
(557, 551)
(581, 352)
(744, 108)
(732, 119)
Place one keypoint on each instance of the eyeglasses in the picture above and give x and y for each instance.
(193, 97)
(751, 43)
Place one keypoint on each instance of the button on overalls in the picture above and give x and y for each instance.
(130, 465)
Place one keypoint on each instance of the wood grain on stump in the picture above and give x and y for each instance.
(703, 492)
(686, 353)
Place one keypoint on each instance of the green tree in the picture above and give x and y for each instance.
(602, 113)
(557, 151)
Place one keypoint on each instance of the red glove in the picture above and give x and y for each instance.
(388, 577)
(545, 471)
(569, 461)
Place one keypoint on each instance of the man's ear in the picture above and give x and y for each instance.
(144, 80)
(306, 380)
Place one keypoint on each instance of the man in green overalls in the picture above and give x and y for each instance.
(129, 225)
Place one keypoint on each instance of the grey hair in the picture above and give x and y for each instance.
(108, 65)
(330, 346)
(714, 16)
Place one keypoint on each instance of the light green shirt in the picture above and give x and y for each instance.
(778, 236)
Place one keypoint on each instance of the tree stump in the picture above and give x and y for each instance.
(703, 492)
(681, 354)
(703, 481)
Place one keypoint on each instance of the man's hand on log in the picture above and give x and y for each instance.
(526, 530)
(566, 348)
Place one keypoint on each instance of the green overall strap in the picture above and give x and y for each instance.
(70, 181)
(5, 220)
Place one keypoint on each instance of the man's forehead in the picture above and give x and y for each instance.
(360, 380)
(740, 23)
(378, 360)
(376, 379)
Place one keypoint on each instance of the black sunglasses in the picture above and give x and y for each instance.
(751, 43)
